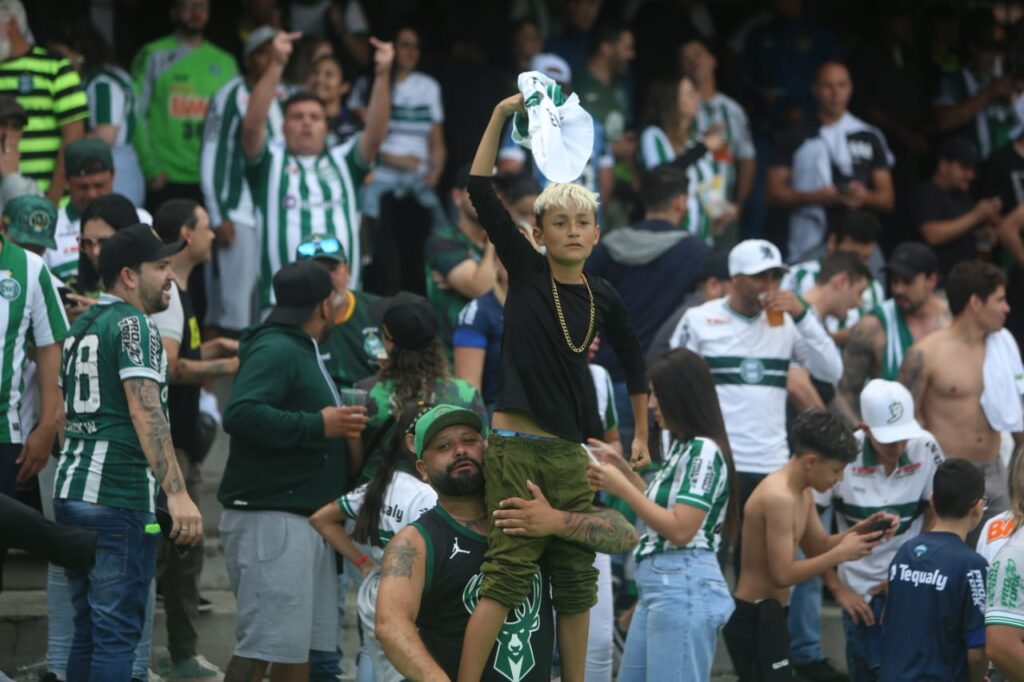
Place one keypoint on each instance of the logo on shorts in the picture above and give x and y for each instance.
(514, 658)
(895, 412)
(752, 371)
(10, 289)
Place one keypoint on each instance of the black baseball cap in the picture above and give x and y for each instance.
(87, 156)
(299, 288)
(132, 246)
(910, 259)
(957, 149)
(406, 318)
(716, 265)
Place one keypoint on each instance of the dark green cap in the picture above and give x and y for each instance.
(87, 156)
(440, 417)
(31, 220)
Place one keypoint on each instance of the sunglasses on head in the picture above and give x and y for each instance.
(320, 247)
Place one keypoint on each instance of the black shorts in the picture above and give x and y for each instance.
(758, 641)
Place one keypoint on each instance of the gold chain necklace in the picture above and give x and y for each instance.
(561, 317)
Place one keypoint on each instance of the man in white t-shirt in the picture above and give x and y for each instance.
(893, 473)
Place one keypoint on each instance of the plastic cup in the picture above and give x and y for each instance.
(353, 397)
(776, 318)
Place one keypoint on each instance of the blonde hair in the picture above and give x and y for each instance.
(565, 195)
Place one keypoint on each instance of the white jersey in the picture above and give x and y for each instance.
(1005, 596)
(749, 360)
(299, 196)
(111, 95)
(866, 489)
(415, 109)
(994, 535)
(406, 499)
(801, 278)
(63, 260)
(605, 397)
(722, 110)
(226, 193)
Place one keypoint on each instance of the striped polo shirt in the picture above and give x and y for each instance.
(29, 308)
(298, 196)
(696, 474)
(51, 92)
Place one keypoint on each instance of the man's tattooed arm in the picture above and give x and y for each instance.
(602, 530)
(861, 361)
(912, 375)
(399, 558)
(154, 432)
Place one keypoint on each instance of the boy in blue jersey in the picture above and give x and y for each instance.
(933, 627)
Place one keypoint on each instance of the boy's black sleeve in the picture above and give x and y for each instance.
(623, 339)
(512, 248)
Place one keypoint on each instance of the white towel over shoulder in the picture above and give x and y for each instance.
(1004, 383)
(560, 135)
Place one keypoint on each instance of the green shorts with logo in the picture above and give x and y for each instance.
(559, 468)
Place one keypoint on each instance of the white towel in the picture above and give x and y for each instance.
(1003, 375)
(558, 131)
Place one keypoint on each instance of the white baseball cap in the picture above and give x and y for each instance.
(754, 256)
(888, 409)
(552, 66)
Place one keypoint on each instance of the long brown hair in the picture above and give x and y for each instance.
(689, 406)
(414, 373)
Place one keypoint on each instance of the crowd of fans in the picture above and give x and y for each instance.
(820, 271)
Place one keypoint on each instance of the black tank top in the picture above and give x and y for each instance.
(450, 593)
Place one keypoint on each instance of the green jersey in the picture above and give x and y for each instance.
(29, 309)
(694, 473)
(381, 405)
(175, 82)
(445, 249)
(102, 461)
(354, 348)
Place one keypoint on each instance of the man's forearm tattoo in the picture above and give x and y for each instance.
(398, 559)
(154, 431)
(605, 530)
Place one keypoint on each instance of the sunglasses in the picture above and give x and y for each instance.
(320, 247)
(87, 244)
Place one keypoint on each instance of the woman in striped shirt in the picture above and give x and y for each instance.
(683, 512)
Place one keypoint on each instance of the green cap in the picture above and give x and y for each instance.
(87, 156)
(439, 418)
(31, 220)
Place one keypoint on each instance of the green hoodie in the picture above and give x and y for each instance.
(278, 458)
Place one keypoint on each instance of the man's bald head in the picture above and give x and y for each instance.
(832, 88)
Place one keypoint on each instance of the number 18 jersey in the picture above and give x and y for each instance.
(102, 461)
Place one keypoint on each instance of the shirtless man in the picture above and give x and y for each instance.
(879, 340)
(778, 517)
(944, 373)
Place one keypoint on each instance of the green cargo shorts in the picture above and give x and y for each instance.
(559, 467)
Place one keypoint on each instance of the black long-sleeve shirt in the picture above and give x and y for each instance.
(540, 375)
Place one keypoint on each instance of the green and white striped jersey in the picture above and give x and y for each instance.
(725, 111)
(694, 473)
(102, 461)
(297, 196)
(802, 276)
(415, 109)
(30, 310)
(221, 161)
(656, 149)
(112, 101)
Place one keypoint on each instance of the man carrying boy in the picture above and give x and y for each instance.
(552, 312)
(780, 517)
(933, 627)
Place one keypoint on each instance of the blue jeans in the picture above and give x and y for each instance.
(109, 599)
(805, 615)
(684, 602)
(864, 645)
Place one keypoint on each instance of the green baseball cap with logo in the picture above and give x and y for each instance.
(31, 220)
(441, 417)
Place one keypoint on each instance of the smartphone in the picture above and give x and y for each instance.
(63, 292)
(881, 524)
